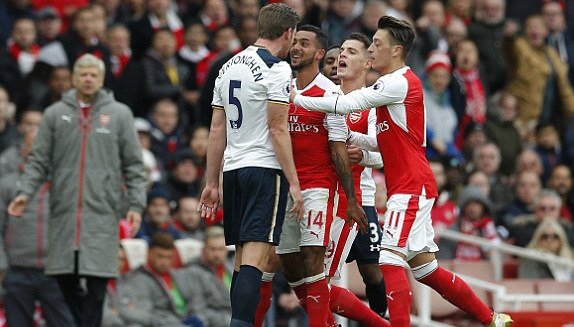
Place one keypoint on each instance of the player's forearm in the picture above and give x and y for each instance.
(343, 167)
(372, 159)
(281, 141)
(215, 149)
(364, 141)
(341, 104)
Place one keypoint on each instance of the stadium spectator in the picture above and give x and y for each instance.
(474, 136)
(136, 8)
(487, 160)
(12, 159)
(126, 73)
(245, 9)
(539, 77)
(455, 32)
(187, 219)
(528, 160)
(224, 40)
(158, 295)
(158, 15)
(466, 70)
(195, 48)
(167, 133)
(155, 173)
(99, 20)
(429, 28)
(546, 207)
(475, 219)
(487, 32)
(11, 10)
(479, 180)
(459, 9)
(210, 279)
(399, 9)
(49, 25)
(116, 12)
(444, 212)
(23, 251)
(59, 82)
(20, 56)
(441, 117)
(526, 190)
(342, 18)
(8, 131)
(559, 37)
(548, 148)
(184, 179)
(165, 74)
(84, 226)
(549, 237)
(213, 14)
(157, 216)
(502, 132)
(198, 144)
(374, 9)
(561, 182)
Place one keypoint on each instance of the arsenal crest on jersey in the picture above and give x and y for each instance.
(354, 117)
(104, 119)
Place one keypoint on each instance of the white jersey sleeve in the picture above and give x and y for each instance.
(279, 83)
(372, 159)
(217, 102)
(336, 126)
(387, 90)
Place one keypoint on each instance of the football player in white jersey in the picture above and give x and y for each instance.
(249, 133)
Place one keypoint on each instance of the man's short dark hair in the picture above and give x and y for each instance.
(274, 20)
(400, 31)
(333, 47)
(361, 38)
(162, 241)
(320, 36)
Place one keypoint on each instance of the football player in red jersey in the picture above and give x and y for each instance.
(401, 139)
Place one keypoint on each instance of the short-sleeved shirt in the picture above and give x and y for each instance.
(246, 84)
(311, 132)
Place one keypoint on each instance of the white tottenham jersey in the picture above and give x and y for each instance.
(244, 87)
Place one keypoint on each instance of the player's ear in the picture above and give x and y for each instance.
(367, 64)
(397, 50)
(320, 54)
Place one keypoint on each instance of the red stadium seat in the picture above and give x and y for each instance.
(553, 287)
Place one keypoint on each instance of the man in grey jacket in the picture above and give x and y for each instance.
(23, 249)
(88, 144)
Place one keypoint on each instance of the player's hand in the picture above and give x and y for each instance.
(209, 202)
(356, 214)
(292, 94)
(18, 206)
(355, 154)
(134, 219)
(298, 209)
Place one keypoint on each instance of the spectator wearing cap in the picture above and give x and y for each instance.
(49, 25)
(20, 56)
(23, 252)
(184, 179)
(539, 77)
(167, 132)
(475, 219)
(153, 169)
(441, 117)
(126, 73)
(158, 15)
(157, 215)
(546, 208)
(502, 132)
(210, 278)
(158, 295)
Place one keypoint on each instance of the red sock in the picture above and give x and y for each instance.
(346, 304)
(331, 322)
(317, 302)
(264, 302)
(301, 292)
(457, 292)
(398, 295)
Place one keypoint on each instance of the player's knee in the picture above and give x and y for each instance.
(424, 270)
(313, 259)
(371, 274)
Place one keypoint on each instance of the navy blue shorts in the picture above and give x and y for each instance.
(254, 202)
(366, 247)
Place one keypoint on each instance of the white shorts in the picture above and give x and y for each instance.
(408, 226)
(340, 244)
(314, 228)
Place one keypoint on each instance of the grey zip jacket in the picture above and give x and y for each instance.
(89, 158)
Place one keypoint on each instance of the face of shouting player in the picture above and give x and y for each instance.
(304, 50)
(353, 59)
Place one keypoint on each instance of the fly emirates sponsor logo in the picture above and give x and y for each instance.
(382, 127)
(296, 126)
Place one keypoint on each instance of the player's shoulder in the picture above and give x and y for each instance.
(397, 81)
(327, 85)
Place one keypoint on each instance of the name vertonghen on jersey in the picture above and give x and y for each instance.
(247, 60)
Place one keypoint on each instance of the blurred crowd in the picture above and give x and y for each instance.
(498, 93)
